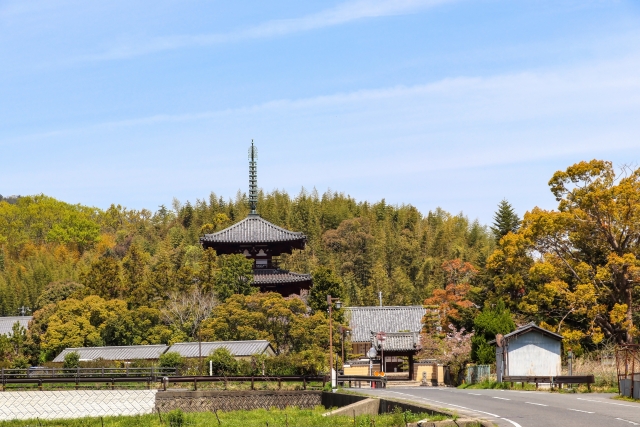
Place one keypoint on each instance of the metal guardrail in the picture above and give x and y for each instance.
(163, 381)
(376, 382)
(560, 379)
(45, 372)
(304, 379)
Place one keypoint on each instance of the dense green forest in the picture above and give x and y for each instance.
(68, 262)
(120, 276)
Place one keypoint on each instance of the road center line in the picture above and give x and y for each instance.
(579, 410)
(501, 398)
(533, 403)
(476, 394)
(627, 421)
(609, 403)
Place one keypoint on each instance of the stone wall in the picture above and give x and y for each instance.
(201, 401)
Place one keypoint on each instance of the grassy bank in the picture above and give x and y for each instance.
(290, 417)
(487, 384)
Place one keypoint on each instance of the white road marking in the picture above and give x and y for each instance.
(501, 398)
(578, 410)
(512, 422)
(533, 403)
(627, 421)
(609, 403)
(449, 404)
(475, 394)
(462, 407)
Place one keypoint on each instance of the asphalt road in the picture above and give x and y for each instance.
(523, 408)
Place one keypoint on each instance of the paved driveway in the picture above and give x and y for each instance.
(523, 408)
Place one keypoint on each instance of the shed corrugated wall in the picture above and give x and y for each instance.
(533, 354)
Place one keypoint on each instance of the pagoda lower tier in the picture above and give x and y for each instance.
(261, 241)
(285, 282)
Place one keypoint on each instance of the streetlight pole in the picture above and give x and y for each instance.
(330, 302)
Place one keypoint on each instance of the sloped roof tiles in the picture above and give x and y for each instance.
(251, 230)
(390, 319)
(6, 323)
(236, 348)
(278, 276)
(130, 352)
(399, 341)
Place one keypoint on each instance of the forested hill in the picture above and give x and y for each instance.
(119, 277)
(141, 256)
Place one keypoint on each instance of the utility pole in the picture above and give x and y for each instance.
(380, 297)
(330, 301)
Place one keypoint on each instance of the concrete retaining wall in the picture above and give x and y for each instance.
(210, 400)
(23, 405)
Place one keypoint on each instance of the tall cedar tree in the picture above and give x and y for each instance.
(505, 220)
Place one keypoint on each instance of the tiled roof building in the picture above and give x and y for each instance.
(125, 352)
(236, 348)
(364, 320)
(391, 331)
(258, 239)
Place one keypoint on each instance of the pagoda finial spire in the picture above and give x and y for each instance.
(253, 178)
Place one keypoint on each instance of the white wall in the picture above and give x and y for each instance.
(533, 354)
(22, 405)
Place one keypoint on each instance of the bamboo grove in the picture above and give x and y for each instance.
(121, 276)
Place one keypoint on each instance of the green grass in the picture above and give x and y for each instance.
(626, 398)
(582, 388)
(486, 384)
(291, 417)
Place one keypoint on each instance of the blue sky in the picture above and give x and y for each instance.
(452, 104)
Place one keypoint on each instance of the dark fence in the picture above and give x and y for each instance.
(357, 380)
(163, 378)
(304, 379)
(558, 380)
(43, 372)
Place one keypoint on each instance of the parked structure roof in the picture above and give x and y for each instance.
(391, 319)
(6, 323)
(236, 348)
(531, 327)
(131, 352)
(253, 230)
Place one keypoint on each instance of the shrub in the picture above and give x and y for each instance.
(171, 359)
(176, 418)
(223, 362)
(71, 360)
(20, 362)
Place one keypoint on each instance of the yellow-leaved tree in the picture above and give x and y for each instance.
(576, 270)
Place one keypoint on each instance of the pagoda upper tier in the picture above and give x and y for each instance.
(254, 236)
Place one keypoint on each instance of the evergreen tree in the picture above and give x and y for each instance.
(325, 283)
(487, 325)
(505, 220)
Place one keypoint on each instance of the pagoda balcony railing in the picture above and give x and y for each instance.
(270, 265)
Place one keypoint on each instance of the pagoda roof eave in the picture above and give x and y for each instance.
(254, 230)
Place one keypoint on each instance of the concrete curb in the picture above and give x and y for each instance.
(372, 406)
(460, 422)
(364, 407)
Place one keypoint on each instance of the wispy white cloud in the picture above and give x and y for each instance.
(338, 15)
(573, 96)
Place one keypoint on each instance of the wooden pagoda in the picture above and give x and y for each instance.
(261, 241)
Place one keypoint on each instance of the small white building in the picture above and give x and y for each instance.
(529, 351)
